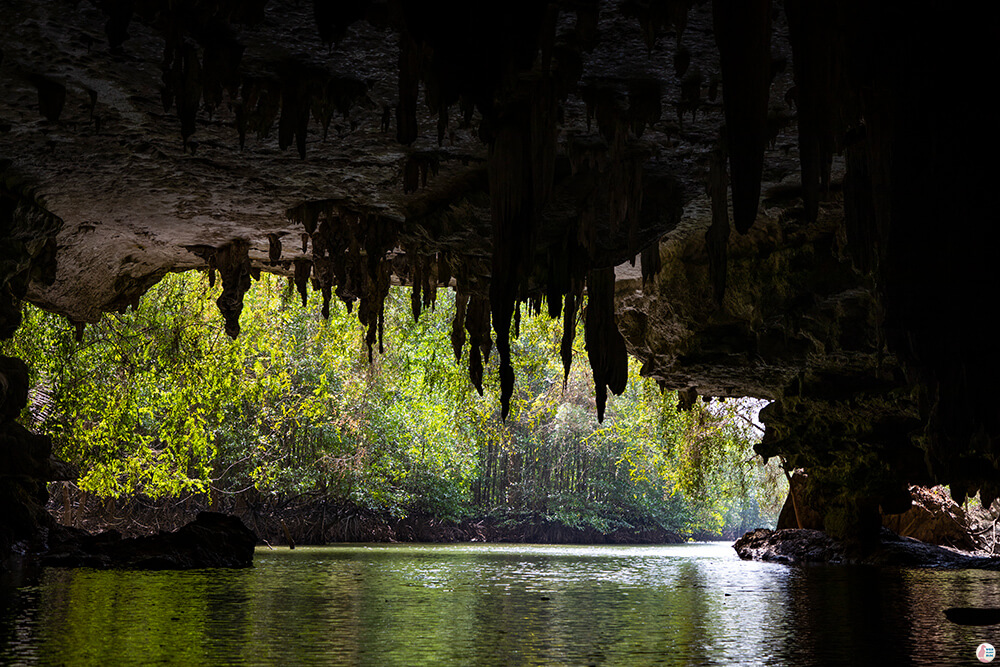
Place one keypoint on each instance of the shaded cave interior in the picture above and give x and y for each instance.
(518, 153)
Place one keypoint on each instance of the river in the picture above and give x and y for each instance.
(691, 604)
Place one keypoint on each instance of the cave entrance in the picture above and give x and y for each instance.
(159, 414)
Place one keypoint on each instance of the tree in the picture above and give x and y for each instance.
(159, 401)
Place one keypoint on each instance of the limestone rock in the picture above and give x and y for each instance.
(929, 514)
(804, 546)
(211, 540)
(24, 463)
(934, 518)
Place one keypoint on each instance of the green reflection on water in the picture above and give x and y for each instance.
(491, 604)
(111, 617)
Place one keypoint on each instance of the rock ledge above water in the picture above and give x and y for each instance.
(804, 546)
(211, 540)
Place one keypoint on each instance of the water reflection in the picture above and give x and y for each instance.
(490, 604)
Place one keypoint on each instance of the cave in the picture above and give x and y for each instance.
(784, 200)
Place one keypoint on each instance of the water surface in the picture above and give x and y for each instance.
(384, 605)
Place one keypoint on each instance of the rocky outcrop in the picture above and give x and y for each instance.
(932, 517)
(24, 464)
(27, 246)
(803, 546)
(27, 256)
(796, 325)
(211, 540)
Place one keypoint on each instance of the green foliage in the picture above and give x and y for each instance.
(159, 401)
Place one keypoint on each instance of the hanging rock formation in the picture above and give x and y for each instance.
(517, 152)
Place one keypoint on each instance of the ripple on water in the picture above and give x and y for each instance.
(494, 604)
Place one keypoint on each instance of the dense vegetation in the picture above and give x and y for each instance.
(160, 402)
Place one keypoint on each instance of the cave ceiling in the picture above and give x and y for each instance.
(804, 188)
(211, 121)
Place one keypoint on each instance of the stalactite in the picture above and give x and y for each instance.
(221, 60)
(416, 169)
(686, 398)
(644, 104)
(409, 83)
(411, 175)
(690, 95)
(294, 120)
(350, 251)
(303, 267)
(234, 267)
(477, 324)
(557, 280)
(333, 18)
(371, 305)
(860, 221)
(658, 16)
(443, 275)
(813, 28)
(631, 197)
(717, 236)
(442, 124)
(682, 60)
(573, 299)
(743, 34)
(322, 109)
(417, 282)
(651, 262)
(119, 14)
(182, 83)
(386, 122)
(542, 125)
(511, 182)
(51, 96)
(586, 28)
(273, 247)
(616, 167)
(458, 324)
(257, 108)
(605, 344)
(429, 288)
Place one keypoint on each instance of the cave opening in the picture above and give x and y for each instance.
(522, 152)
(157, 414)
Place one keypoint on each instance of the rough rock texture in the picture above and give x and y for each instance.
(27, 247)
(516, 151)
(804, 546)
(797, 325)
(933, 516)
(798, 511)
(24, 464)
(211, 540)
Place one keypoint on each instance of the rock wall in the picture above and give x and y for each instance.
(798, 324)
(931, 515)
(24, 464)
(27, 254)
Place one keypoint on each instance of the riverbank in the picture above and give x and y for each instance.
(313, 519)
